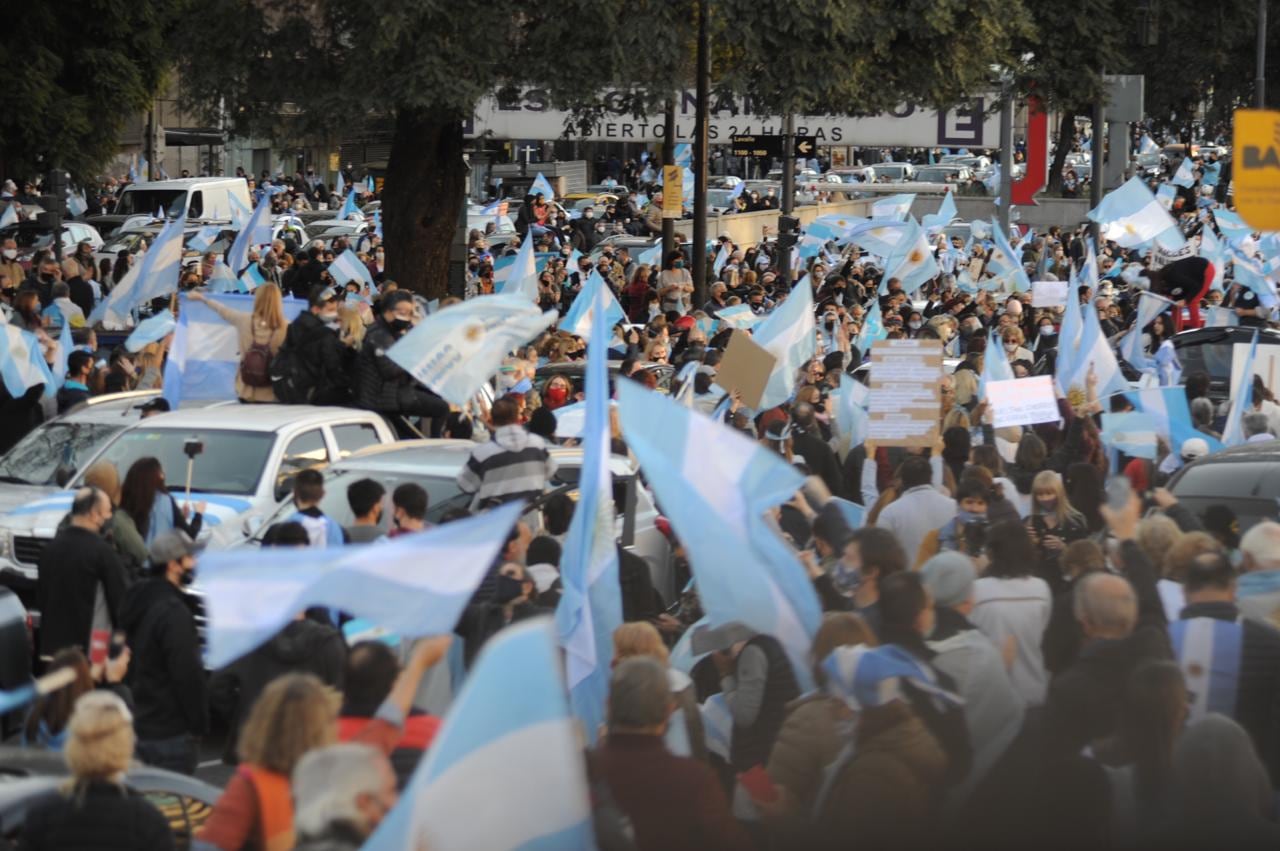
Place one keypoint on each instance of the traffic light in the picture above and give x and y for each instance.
(788, 231)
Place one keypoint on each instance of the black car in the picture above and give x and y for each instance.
(1245, 479)
(29, 775)
(1211, 350)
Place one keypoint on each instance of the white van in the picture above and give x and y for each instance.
(198, 197)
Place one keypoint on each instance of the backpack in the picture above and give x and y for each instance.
(286, 381)
(255, 364)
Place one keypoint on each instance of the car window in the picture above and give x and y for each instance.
(147, 201)
(303, 452)
(231, 462)
(36, 457)
(1213, 358)
(353, 437)
(196, 208)
(442, 495)
(1230, 480)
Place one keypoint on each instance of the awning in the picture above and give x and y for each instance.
(186, 137)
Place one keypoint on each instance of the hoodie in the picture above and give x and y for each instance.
(302, 647)
(166, 673)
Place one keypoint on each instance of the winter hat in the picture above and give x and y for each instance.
(949, 576)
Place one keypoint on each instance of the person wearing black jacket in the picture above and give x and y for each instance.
(807, 442)
(80, 585)
(166, 673)
(380, 384)
(1216, 646)
(318, 357)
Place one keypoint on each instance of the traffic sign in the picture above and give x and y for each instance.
(806, 146)
(757, 146)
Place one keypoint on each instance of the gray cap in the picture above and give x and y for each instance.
(949, 576)
(171, 546)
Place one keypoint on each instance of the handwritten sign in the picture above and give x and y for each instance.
(905, 403)
(1023, 401)
(1049, 293)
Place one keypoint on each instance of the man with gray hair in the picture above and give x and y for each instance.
(1123, 626)
(341, 794)
(672, 802)
(1258, 589)
(1256, 428)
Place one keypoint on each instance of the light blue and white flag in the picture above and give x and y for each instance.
(349, 208)
(738, 188)
(377, 223)
(651, 256)
(1093, 352)
(1249, 273)
(790, 335)
(1233, 431)
(204, 355)
(257, 231)
(865, 677)
(1147, 145)
(590, 607)
(894, 207)
(543, 186)
(1069, 335)
(1150, 306)
(1165, 194)
(347, 267)
(1234, 228)
(23, 365)
(150, 331)
(340, 185)
(10, 214)
(1220, 317)
(852, 422)
(872, 328)
(520, 277)
(506, 771)
(809, 247)
(1131, 216)
(223, 280)
(935, 222)
(203, 238)
(722, 257)
(1185, 175)
(251, 278)
(1133, 434)
(738, 316)
(413, 585)
(913, 264)
(455, 351)
(157, 276)
(240, 214)
(59, 369)
(1211, 249)
(1003, 262)
(880, 238)
(995, 364)
(684, 155)
(76, 204)
(1168, 408)
(831, 226)
(1210, 653)
(369, 185)
(716, 486)
(578, 318)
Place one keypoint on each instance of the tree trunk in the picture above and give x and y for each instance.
(1066, 133)
(420, 203)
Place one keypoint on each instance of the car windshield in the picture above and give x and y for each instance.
(442, 496)
(1239, 480)
(933, 175)
(232, 461)
(1213, 358)
(123, 242)
(28, 237)
(147, 201)
(35, 459)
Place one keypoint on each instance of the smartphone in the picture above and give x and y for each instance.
(1119, 490)
(117, 645)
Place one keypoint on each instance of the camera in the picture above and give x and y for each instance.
(192, 447)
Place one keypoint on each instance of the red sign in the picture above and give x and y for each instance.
(1025, 189)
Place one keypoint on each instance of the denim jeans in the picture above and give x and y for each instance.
(180, 753)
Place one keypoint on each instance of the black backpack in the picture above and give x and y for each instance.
(287, 381)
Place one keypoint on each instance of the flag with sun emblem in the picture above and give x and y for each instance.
(458, 349)
(913, 262)
(1131, 217)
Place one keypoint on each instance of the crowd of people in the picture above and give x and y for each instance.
(1052, 650)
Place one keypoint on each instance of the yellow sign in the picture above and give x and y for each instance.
(672, 191)
(334, 162)
(1256, 167)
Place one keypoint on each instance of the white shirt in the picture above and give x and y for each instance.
(1018, 607)
(915, 514)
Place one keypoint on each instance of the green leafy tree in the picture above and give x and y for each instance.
(74, 75)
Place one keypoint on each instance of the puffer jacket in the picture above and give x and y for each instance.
(815, 730)
(321, 360)
(382, 386)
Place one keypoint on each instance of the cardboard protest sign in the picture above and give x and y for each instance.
(905, 402)
(746, 367)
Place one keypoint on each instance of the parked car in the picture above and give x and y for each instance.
(246, 466)
(894, 172)
(1211, 350)
(31, 776)
(194, 197)
(1245, 479)
(435, 464)
(33, 236)
(942, 174)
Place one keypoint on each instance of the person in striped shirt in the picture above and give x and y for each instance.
(512, 465)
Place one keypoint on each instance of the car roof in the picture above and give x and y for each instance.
(183, 182)
(1235, 333)
(446, 457)
(1249, 453)
(263, 418)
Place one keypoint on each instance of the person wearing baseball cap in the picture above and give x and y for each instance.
(993, 711)
(166, 672)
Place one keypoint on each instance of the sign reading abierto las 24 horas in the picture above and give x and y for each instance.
(528, 114)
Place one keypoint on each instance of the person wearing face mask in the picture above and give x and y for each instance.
(1011, 338)
(166, 673)
(380, 383)
(675, 284)
(377, 264)
(312, 362)
(10, 268)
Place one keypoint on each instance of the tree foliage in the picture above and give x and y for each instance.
(74, 75)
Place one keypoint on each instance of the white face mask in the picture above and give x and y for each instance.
(915, 326)
(1010, 347)
(10, 253)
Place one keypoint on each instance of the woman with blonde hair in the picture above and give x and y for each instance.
(150, 367)
(94, 808)
(641, 638)
(1053, 524)
(261, 333)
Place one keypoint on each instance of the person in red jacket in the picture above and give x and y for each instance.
(674, 803)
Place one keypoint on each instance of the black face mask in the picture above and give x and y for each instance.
(187, 577)
(507, 589)
(399, 326)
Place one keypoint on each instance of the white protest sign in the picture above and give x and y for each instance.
(1022, 401)
(1049, 293)
(1266, 363)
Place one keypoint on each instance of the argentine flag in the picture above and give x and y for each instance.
(157, 276)
(895, 207)
(542, 186)
(414, 585)
(23, 365)
(1131, 216)
(716, 486)
(1233, 431)
(257, 231)
(578, 319)
(1168, 408)
(520, 276)
(790, 334)
(995, 364)
(240, 214)
(455, 351)
(347, 267)
(913, 264)
(1150, 306)
(506, 770)
(223, 280)
(590, 607)
(10, 214)
(1003, 262)
(1185, 175)
(1094, 350)
(935, 222)
(251, 278)
(872, 328)
(151, 330)
(1134, 434)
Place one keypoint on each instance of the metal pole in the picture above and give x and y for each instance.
(150, 143)
(699, 258)
(788, 191)
(669, 158)
(1006, 159)
(1095, 167)
(1260, 84)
